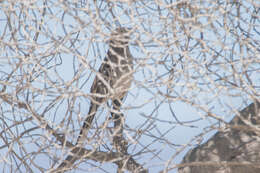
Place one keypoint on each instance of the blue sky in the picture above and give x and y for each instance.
(75, 42)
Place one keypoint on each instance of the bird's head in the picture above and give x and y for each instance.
(120, 37)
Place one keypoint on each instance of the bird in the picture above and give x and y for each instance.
(113, 79)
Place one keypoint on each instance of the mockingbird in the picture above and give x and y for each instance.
(113, 79)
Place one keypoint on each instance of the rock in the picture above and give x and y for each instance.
(236, 149)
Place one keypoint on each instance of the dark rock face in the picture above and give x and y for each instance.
(236, 149)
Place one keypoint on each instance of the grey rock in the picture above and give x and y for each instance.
(236, 149)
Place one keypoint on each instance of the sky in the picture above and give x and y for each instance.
(158, 44)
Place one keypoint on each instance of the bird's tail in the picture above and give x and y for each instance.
(87, 122)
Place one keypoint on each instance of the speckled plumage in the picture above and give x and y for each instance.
(113, 79)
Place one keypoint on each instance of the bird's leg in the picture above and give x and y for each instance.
(118, 118)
